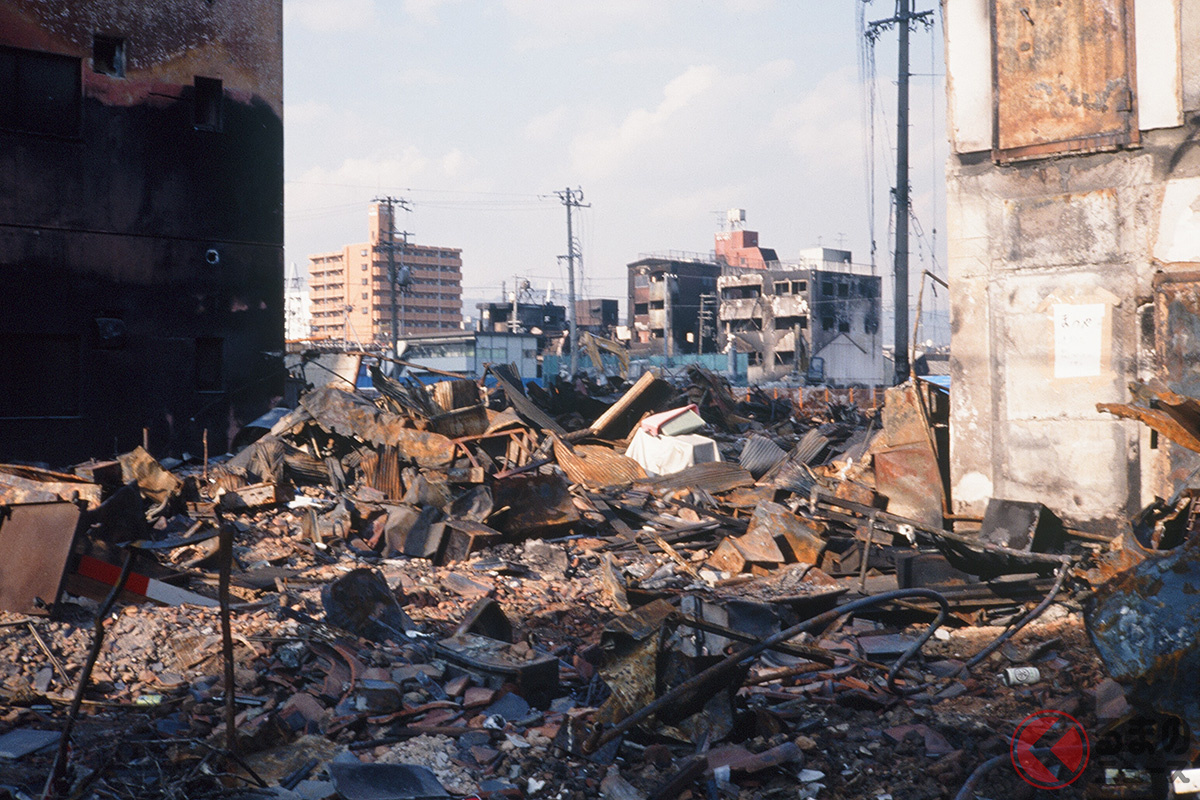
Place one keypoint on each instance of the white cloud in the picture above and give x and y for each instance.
(307, 112)
(456, 163)
(824, 122)
(545, 127)
(598, 152)
(422, 76)
(322, 16)
(707, 203)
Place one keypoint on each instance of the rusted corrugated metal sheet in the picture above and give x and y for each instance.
(596, 466)
(760, 455)
(21, 484)
(712, 476)
(1063, 76)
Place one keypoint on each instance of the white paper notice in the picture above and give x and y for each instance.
(1078, 333)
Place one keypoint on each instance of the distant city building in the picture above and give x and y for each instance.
(739, 249)
(783, 317)
(665, 295)
(547, 318)
(598, 316)
(297, 319)
(351, 296)
(741, 296)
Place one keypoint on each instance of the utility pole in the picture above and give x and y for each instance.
(903, 20)
(702, 325)
(668, 316)
(572, 198)
(395, 279)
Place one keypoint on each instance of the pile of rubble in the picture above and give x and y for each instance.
(447, 591)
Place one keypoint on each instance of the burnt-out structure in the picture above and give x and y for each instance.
(141, 223)
(600, 316)
(669, 298)
(784, 316)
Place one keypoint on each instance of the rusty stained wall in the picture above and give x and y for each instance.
(1055, 266)
(141, 258)
(1073, 241)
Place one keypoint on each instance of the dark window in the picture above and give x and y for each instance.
(799, 286)
(788, 323)
(870, 325)
(843, 290)
(39, 376)
(844, 326)
(827, 289)
(210, 364)
(207, 95)
(39, 92)
(826, 323)
(108, 56)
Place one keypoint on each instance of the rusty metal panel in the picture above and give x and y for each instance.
(350, 415)
(1063, 77)
(36, 540)
(1177, 330)
(596, 466)
(1177, 348)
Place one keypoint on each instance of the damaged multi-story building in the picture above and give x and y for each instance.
(666, 295)
(1073, 206)
(741, 297)
(141, 224)
(784, 315)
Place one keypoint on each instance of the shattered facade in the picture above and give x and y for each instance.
(350, 289)
(141, 227)
(784, 317)
(1073, 189)
(665, 295)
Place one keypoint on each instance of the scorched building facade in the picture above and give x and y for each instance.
(141, 223)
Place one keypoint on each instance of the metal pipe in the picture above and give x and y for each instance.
(727, 664)
(1028, 618)
(59, 767)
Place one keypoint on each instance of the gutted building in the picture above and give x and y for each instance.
(783, 316)
(351, 288)
(666, 295)
(1074, 236)
(141, 223)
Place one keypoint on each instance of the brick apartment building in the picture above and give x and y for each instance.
(350, 295)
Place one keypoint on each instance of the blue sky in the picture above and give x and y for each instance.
(666, 114)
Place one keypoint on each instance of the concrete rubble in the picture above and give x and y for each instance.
(473, 590)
